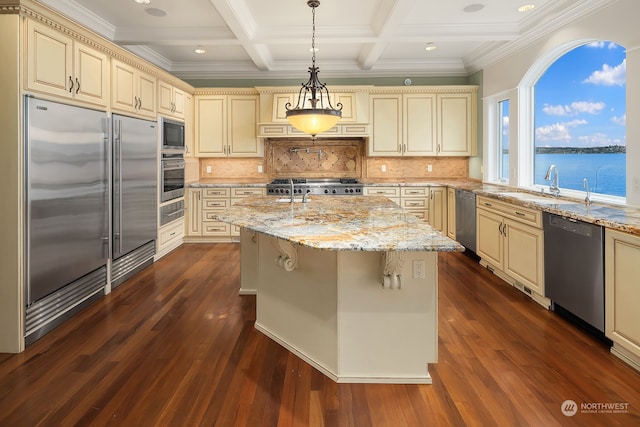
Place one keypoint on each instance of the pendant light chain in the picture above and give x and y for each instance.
(313, 36)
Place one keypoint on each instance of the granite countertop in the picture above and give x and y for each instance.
(354, 223)
(617, 217)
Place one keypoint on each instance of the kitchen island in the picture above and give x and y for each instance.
(349, 284)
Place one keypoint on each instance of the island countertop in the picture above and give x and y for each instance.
(342, 223)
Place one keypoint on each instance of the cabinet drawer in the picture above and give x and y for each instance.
(215, 229)
(215, 203)
(249, 191)
(170, 233)
(415, 203)
(423, 214)
(519, 213)
(382, 191)
(415, 191)
(210, 215)
(216, 192)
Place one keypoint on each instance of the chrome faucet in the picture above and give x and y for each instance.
(585, 185)
(291, 188)
(554, 187)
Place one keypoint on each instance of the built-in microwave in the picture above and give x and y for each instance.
(172, 135)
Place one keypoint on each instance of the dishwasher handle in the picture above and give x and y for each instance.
(572, 225)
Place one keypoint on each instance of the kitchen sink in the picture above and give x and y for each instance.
(533, 198)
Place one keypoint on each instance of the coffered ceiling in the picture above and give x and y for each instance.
(354, 38)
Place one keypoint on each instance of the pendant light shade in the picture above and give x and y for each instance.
(313, 112)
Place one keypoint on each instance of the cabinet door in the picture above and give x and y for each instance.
(523, 254)
(165, 98)
(49, 67)
(194, 212)
(280, 100)
(386, 125)
(490, 241)
(451, 213)
(210, 129)
(419, 125)
(454, 124)
(242, 131)
(622, 293)
(178, 102)
(188, 125)
(91, 75)
(438, 208)
(123, 87)
(146, 92)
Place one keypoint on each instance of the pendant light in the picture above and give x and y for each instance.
(310, 115)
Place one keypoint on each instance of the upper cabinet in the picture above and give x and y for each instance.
(132, 90)
(225, 126)
(434, 121)
(170, 100)
(61, 66)
(402, 125)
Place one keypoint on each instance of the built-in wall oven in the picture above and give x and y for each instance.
(171, 176)
(172, 159)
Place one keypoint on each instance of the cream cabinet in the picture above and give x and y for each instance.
(390, 192)
(510, 239)
(622, 293)
(457, 123)
(226, 126)
(58, 65)
(169, 237)
(451, 213)
(402, 125)
(132, 90)
(416, 201)
(171, 100)
(438, 208)
(427, 122)
(188, 126)
(205, 203)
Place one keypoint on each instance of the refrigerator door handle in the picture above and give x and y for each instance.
(117, 180)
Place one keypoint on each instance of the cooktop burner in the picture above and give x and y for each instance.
(328, 186)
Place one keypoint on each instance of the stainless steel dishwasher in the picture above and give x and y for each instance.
(466, 219)
(574, 268)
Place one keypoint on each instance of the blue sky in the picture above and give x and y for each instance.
(580, 99)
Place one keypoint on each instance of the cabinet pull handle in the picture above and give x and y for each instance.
(504, 230)
(438, 148)
(520, 213)
(77, 85)
(487, 204)
(70, 84)
(500, 228)
(404, 148)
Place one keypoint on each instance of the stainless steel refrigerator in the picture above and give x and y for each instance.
(67, 211)
(135, 195)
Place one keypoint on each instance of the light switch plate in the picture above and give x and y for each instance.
(419, 269)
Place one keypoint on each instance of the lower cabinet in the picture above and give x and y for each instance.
(451, 213)
(202, 206)
(510, 241)
(622, 293)
(438, 208)
(170, 236)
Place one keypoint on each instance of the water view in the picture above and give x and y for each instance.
(606, 172)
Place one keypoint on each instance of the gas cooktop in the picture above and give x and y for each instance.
(328, 186)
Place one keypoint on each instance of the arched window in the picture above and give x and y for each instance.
(580, 119)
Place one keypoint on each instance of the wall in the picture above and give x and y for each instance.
(616, 22)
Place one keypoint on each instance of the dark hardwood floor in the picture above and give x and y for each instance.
(176, 346)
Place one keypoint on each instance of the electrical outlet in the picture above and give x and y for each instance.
(208, 169)
(419, 269)
(429, 168)
(259, 168)
(383, 168)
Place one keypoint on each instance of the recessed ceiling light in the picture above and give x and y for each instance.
(475, 7)
(526, 8)
(199, 50)
(155, 12)
(142, 1)
(430, 47)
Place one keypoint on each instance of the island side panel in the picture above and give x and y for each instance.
(298, 308)
(386, 335)
(248, 262)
